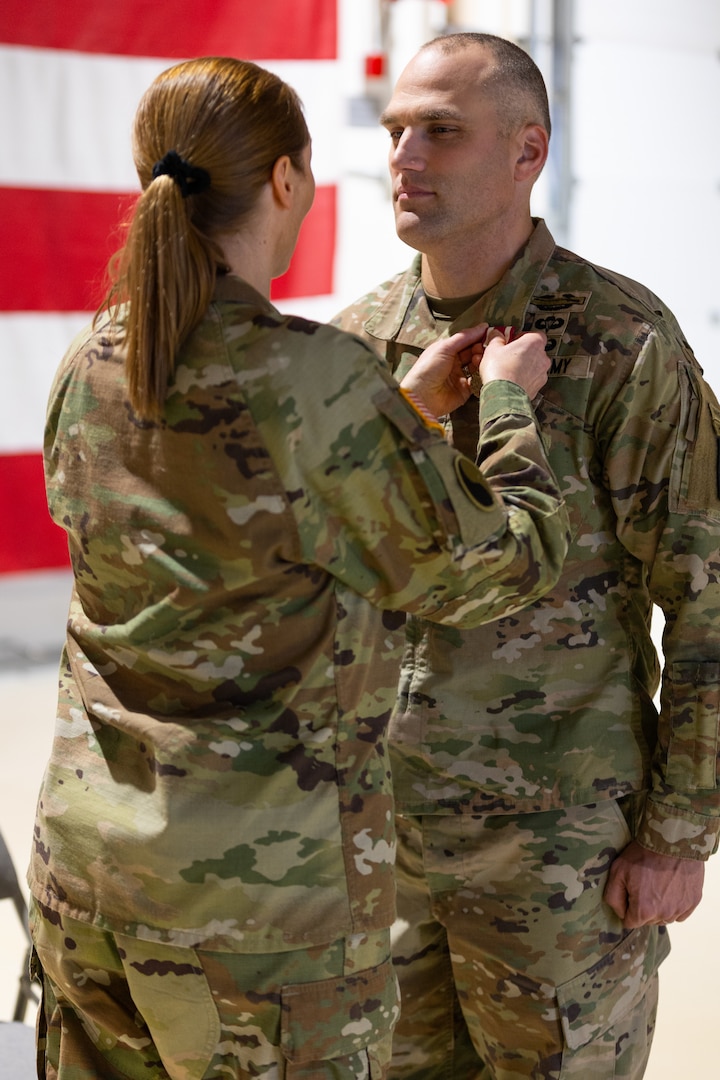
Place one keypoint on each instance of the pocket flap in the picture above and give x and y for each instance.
(593, 1002)
(694, 694)
(338, 1017)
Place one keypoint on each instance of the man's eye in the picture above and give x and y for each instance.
(395, 135)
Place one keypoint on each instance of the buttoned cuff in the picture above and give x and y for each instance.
(500, 397)
(684, 834)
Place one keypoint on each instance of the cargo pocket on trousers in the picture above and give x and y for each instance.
(170, 990)
(344, 1018)
(594, 1002)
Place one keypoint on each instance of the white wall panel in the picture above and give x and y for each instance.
(645, 154)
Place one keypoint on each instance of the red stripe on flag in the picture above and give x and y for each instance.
(273, 29)
(312, 266)
(56, 245)
(34, 542)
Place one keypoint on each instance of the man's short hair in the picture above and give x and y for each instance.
(514, 79)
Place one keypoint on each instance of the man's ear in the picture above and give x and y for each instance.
(281, 180)
(533, 147)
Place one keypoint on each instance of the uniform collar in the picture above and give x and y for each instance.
(233, 288)
(405, 317)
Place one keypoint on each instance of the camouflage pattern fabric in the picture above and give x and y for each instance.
(116, 1006)
(219, 777)
(509, 967)
(552, 706)
(510, 740)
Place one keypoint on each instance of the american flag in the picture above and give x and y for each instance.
(71, 76)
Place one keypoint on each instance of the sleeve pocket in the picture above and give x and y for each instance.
(695, 476)
(695, 710)
(335, 1018)
(456, 487)
(592, 1003)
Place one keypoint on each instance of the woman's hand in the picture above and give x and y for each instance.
(519, 358)
(444, 376)
(441, 377)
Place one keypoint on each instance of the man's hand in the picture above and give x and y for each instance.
(645, 888)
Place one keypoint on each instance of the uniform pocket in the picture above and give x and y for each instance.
(695, 711)
(695, 476)
(595, 1001)
(348, 1017)
(456, 487)
(171, 991)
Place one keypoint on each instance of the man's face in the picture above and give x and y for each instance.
(452, 170)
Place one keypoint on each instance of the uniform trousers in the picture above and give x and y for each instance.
(118, 1007)
(511, 965)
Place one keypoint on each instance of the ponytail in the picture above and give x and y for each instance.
(207, 134)
(165, 276)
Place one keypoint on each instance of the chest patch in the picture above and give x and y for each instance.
(572, 367)
(550, 313)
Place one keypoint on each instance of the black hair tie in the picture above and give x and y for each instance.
(191, 179)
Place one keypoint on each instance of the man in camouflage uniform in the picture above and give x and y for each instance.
(550, 820)
(214, 844)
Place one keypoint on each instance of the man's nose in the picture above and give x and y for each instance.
(407, 153)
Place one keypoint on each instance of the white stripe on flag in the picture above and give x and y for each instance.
(66, 117)
(31, 348)
(33, 344)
